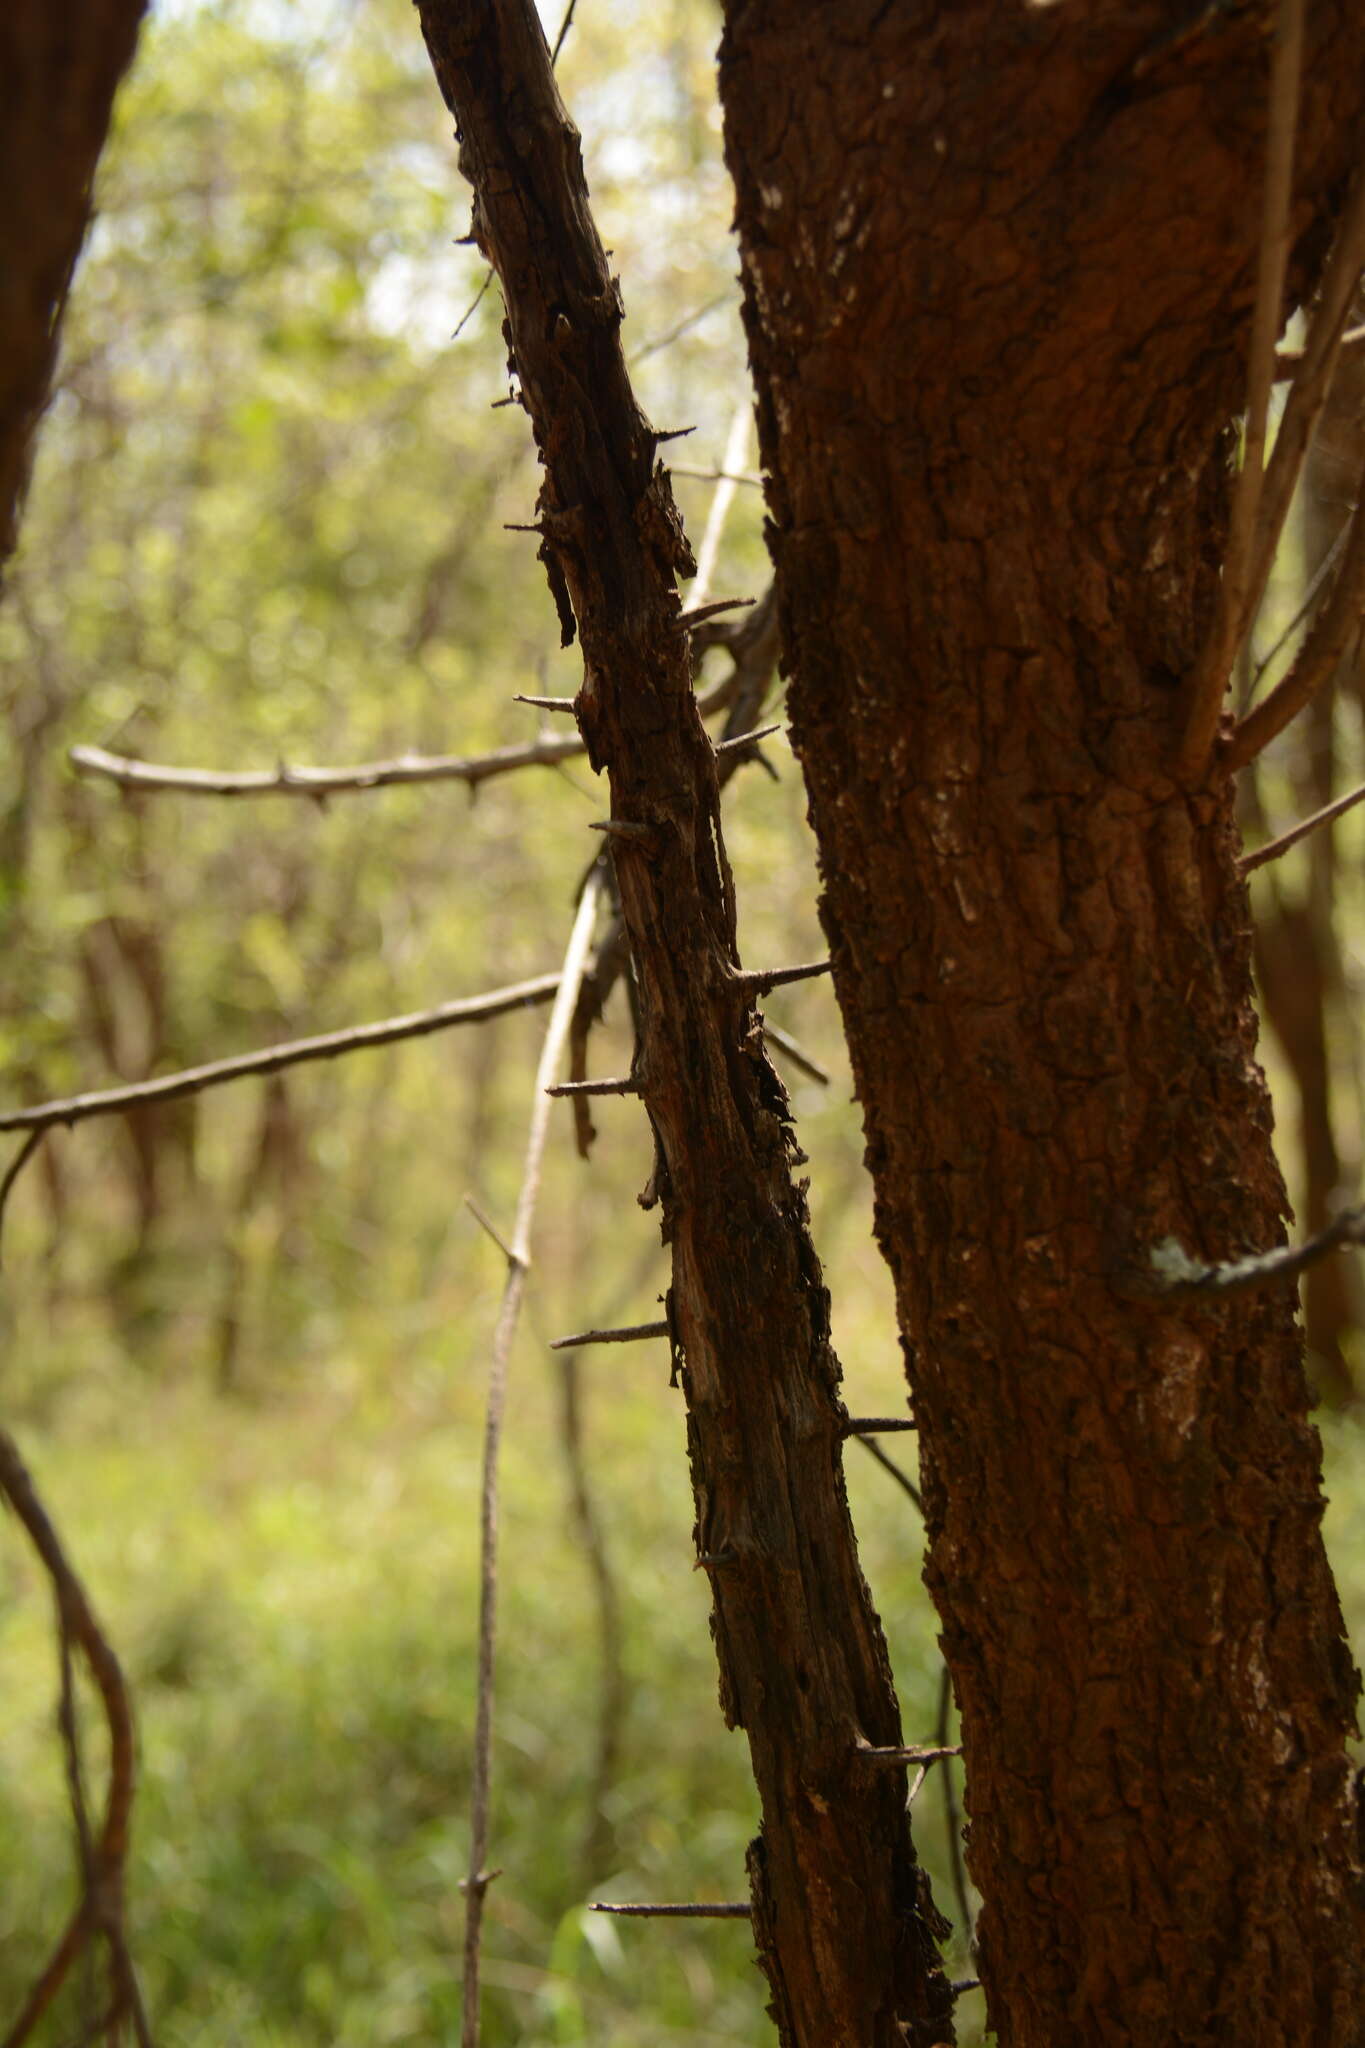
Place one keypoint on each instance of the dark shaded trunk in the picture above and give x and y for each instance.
(60, 61)
(998, 267)
(841, 1915)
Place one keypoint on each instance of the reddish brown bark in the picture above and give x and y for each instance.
(999, 262)
(841, 1915)
(60, 61)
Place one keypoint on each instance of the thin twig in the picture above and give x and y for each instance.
(518, 1265)
(717, 476)
(1326, 816)
(952, 1815)
(663, 341)
(783, 1042)
(1304, 607)
(472, 308)
(613, 1692)
(617, 1084)
(1327, 639)
(736, 447)
(878, 1425)
(74, 1109)
(902, 1479)
(727, 1909)
(100, 1909)
(633, 1333)
(565, 25)
(1308, 392)
(1239, 597)
(16, 1167)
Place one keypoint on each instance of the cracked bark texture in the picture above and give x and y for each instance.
(841, 1913)
(999, 263)
(60, 61)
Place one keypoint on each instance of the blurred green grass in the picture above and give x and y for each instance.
(292, 1586)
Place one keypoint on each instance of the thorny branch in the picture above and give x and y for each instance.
(547, 750)
(99, 1912)
(841, 1913)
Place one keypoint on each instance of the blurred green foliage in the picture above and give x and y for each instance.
(245, 1338)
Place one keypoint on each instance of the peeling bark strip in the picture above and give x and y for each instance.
(841, 1912)
(999, 263)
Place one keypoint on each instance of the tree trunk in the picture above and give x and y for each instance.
(60, 61)
(998, 265)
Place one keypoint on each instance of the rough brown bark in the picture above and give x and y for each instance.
(60, 61)
(999, 262)
(841, 1914)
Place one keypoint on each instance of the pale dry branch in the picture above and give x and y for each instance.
(518, 1265)
(1308, 392)
(1275, 848)
(327, 1045)
(1338, 622)
(1239, 597)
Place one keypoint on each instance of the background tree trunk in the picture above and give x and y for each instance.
(998, 267)
(59, 66)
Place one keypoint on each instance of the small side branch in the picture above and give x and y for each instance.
(1274, 848)
(632, 1333)
(76, 1109)
(724, 1909)
(757, 981)
(1173, 1276)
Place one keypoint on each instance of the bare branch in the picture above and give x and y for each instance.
(757, 981)
(632, 1333)
(902, 1479)
(953, 1822)
(619, 1084)
(1326, 816)
(728, 1909)
(783, 1042)
(75, 1109)
(518, 1265)
(1239, 596)
(1337, 623)
(549, 750)
(16, 1167)
(1308, 392)
(1171, 1275)
(546, 752)
(100, 1909)
(877, 1425)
